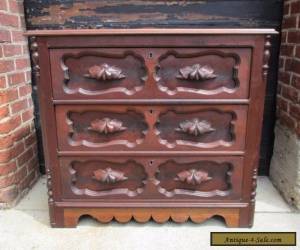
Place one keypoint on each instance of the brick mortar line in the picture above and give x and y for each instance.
(20, 112)
(8, 103)
(14, 130)
(15, 144)
(34, 155)
(16, 85)
(12, 42)
(295, 58)
(17, 56)
(16, 71)
(20, 98)
(292, 72)
(2, 177)
(10, 13)
(12, 28)
(15, 159)
(290, 85)
(12, 71)
(16, 100)
(21, 194)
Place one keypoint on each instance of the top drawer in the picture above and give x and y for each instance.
(150, 73)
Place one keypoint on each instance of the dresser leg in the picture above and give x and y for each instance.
(246, 216)
(71, 218)
(60, 219)
(56, 216)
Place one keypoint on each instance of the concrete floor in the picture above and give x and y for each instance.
(27, 227)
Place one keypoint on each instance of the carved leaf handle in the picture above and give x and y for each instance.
(105, 72)
(106, 126)
(196, 72)
(195, 127)
(193, 176)
(109, 175)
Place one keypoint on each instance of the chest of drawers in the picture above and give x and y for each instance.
(151, 123)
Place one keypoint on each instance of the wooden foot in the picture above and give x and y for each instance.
(247, 216)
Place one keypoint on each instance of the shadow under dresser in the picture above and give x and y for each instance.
(151, 123)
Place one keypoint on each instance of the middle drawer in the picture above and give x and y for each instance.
(151, 128)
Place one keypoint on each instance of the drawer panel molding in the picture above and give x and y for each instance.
(207, 128)
(99, 178)
(151, 128)
(98, 128)
(150, 73)
(200, 178)
(92, 73)
(206, 73)
(152, 178)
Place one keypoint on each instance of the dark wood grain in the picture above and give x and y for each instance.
(153, 155)
(151, 128)
(48, 131)
(151, 179)
(140, 79)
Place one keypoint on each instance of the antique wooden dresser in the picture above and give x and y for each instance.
(151, 123)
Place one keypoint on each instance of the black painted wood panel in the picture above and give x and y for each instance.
(60, 14)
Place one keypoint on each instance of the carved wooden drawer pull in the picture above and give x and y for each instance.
(106, 126)
(109, 175)
(196, 72)
(193, 176)
(104, 72)
(195, 127)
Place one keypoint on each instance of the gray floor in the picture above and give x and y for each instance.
(27, 227)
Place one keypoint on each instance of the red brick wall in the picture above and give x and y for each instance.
(18, 151)
(288, 97)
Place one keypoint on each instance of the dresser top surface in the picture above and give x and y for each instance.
(148, 31)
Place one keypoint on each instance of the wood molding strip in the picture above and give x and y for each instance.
(148, 153)
(154, 102)
(146, 31)
(151, 203)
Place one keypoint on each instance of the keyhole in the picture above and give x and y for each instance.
(151, 163)
(150, 55)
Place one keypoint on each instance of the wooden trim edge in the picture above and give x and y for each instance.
(147, 31)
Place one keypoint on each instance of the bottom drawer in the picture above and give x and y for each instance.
(162, 179)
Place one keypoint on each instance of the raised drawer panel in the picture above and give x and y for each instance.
(147, 73)
(199, 178)
(97, 128)
(151, 128)
(156, 178)
(93, 73)
(104, 178)
(205, 73)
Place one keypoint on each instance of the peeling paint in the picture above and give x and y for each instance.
(60, 14)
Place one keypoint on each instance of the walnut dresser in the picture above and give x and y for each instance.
(151, 123)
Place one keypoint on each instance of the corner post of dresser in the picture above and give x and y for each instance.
(40, 62)
(260, 67)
